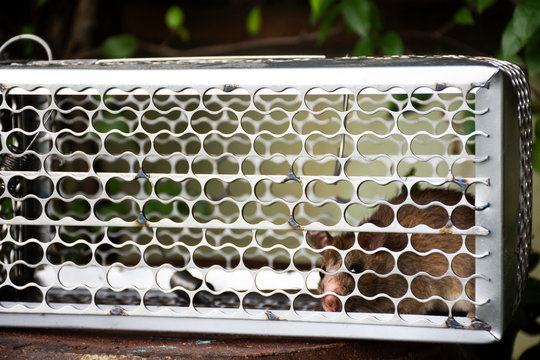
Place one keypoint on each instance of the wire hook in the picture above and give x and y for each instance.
(35, 38)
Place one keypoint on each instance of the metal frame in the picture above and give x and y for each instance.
(499, 204)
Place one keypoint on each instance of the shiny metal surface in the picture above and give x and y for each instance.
(179, 192)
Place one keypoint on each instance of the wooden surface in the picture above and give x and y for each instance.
(43, 344)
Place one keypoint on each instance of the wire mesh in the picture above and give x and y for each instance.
(206, 201)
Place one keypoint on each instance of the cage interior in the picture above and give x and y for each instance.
(187, 202)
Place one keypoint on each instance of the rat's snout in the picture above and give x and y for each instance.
(331, 303)
(341, 284)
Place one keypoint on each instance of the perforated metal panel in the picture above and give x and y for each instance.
(187, 195)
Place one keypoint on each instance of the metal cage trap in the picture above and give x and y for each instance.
(188, 195)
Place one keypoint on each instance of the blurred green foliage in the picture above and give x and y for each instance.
(174, 19)
(464, 16)
(521, 38)
(120, 46)
(254, 21)
(362, 18)
(521, 43)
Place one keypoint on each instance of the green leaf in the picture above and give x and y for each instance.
(202, 208)
(315, 6)
(315, 10)
(357, 14)
(482, 5)
(174, 17)
(183, 33)
(511, 43)
(364, 47)
(253, 21)
(464, 16)
(319, 8)
(532, 54)
(391, 44)
(526, 19)
(524, 23)
(327, 23)
(119, 46)
(376, 24)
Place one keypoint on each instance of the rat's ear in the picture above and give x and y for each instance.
(372, 240)
(319, 239)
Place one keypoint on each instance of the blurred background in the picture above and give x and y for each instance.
(96, 29)
(507, 29)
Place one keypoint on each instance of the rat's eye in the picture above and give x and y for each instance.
(355, 268)
(321, 274)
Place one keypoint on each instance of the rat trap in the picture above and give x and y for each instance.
(357, 197)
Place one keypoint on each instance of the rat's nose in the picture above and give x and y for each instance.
(331, 303)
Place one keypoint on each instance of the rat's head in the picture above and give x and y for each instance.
(333, 278)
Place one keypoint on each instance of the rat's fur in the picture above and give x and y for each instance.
(409, 263)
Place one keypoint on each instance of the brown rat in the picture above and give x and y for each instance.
(381, 262)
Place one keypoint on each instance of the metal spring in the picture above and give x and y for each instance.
(9, 162)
